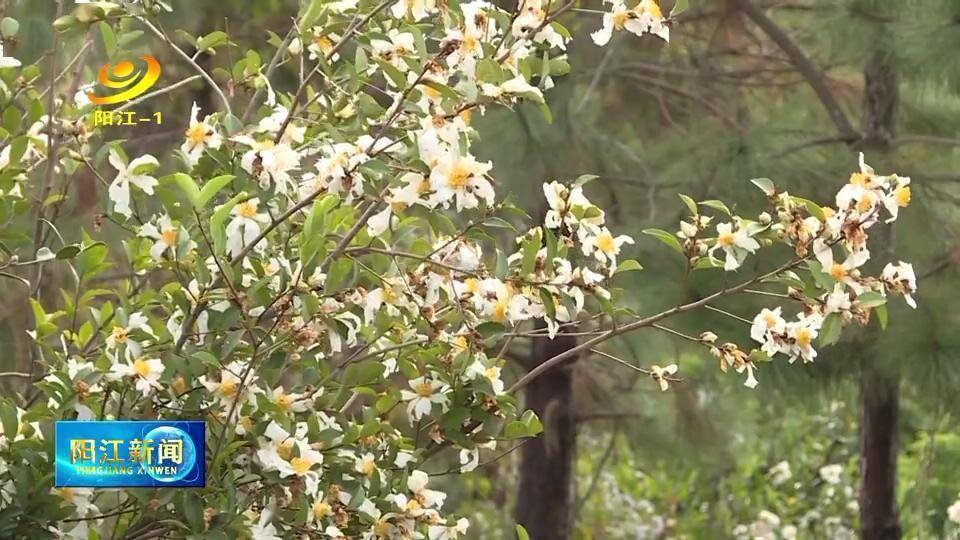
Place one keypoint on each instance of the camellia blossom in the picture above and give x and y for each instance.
(662, 374)
(166, 235)
(736, 244)
(644, 18)
(199, 136)
(136, 173)
(425, 394)
(462, 180)
(145, 372)
(900, 279)
(245, 226)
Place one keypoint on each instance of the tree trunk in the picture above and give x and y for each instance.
(879, 402)
(879, 396)
(545, 498)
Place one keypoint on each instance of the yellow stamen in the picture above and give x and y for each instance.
(285, 402)
(837, 271)
(247, 209)
(119, 334)
(141, 367)
(424, 389)
(605, 243)
(725, 239)
(458, 176)
(803, 338)
(321, 509)
(902, 196)
(169, 237)
(228, 387)
(300, 465)
(196, 133)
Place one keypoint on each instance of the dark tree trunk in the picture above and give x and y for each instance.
(544, 501)
(879, 396)
(879, 404)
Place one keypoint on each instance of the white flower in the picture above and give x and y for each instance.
(801, 335)
(838, 301)
(166, 235)
(661, 374)
(290, 402)
(831, 473)
(841, 272)
(460, 178)
(135, 173)
(366, 464)
(735, 244)
(428, 498)
(448, 532)
(492, 374)
(228, 388)
(901, 279)
(400, 44)
(145, 371)
(421, 400)
(506, 305)
(120, 335)
(953, 512)
(419, 9)
(245, 226)
(600, 242)
(199, 136)
(767, 327)
(646, 17)
(562, 200)
(268, 162)
(780, 473)
(469, 459)
(899, 197)
(81, 498)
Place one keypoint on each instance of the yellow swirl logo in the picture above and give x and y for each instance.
(124, 75)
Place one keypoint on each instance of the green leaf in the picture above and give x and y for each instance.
(68, 252)
(187, 185)
(109, 38)
(522, 533)
(530, 247)
(716, 205)
(583, 179)
(211, 188)
(665, 237)
(679, 7)
(211, 40)
(881, 312)
(830, 331)
(691, 204)
(628, 265)
(8, 418)
(871, 299)
(765, 185)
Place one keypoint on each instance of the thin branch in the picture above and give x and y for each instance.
(646, 322)
(805, 66)
(156, 93)
(202, 72)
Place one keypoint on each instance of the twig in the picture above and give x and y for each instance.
(202, 72)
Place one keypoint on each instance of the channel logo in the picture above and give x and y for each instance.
(125, 453)
(131, 79)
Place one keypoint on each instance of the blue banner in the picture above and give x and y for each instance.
(127, 453)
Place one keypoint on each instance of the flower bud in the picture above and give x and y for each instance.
(295, 47)
(765, 218)
(708, 337)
